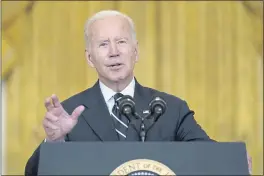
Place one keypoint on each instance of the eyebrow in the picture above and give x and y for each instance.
(107, 40)
(119, 38)
(102, 40)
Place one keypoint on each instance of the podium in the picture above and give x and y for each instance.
(138, 158)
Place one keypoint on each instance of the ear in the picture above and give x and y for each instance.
(136, 51)
(89, 57)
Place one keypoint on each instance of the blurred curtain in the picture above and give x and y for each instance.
(208, 53)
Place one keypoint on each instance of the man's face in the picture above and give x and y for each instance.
(112, 50)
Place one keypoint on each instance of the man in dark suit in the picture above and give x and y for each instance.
(112, 49)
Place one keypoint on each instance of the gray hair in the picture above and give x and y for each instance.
(103, 14)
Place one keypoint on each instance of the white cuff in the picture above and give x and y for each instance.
(45, 140)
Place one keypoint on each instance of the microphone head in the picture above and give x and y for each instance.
(126, 105)
(157, 106)
(117, 96)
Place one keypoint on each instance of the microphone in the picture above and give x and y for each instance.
(126, 106)
(157, 108)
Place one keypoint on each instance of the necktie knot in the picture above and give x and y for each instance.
(117, 96)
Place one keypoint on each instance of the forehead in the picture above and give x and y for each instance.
(112, 26)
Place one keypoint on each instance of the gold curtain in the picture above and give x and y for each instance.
(208, 53)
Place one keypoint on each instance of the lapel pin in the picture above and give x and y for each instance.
(146, 112)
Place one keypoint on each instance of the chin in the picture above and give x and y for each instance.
(117, 78)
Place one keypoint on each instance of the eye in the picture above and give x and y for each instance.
(121, 41)
(103, 44)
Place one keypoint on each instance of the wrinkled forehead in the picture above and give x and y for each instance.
(110, 27)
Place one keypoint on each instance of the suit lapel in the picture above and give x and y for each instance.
(97, 115)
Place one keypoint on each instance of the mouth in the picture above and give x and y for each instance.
(115, 66)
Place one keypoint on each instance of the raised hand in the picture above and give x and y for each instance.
(57, 122)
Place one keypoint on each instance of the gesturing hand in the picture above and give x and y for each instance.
(57, 122)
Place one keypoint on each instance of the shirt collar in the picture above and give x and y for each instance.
(109, 93)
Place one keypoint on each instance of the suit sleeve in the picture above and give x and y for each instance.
(32, 163)
(188, 128)
(31, 168)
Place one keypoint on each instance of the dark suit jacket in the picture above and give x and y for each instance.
(96, 124)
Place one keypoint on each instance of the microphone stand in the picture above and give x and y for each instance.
(142, 132)
(128, 113)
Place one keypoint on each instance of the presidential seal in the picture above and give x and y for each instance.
(142, 167)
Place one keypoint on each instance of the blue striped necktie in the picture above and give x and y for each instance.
(121, 122)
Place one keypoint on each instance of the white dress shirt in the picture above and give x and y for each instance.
(108, 94)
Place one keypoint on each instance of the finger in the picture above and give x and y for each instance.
(48, 104)
(48, 124)
(249, 159)
(50, 117)
(77, 112)
(49, 132)
(55, 100)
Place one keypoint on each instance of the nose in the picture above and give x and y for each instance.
(113, 51)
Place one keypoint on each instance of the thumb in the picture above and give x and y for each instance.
(77, 112)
